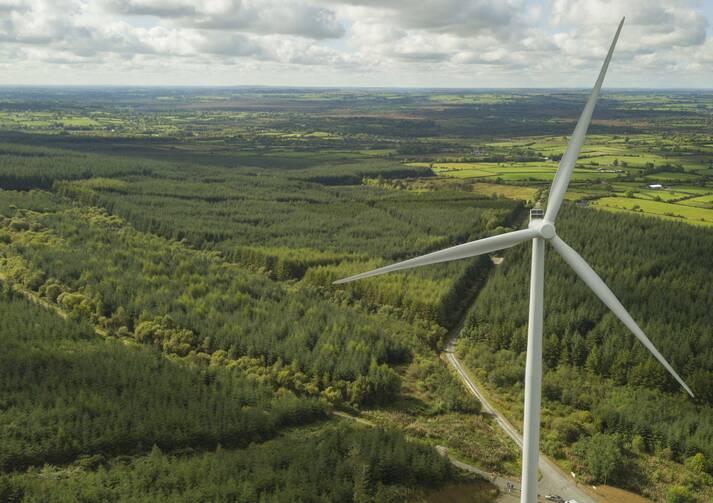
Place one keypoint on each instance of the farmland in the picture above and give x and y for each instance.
(191, 236)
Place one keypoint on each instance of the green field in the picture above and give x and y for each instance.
(509, 171)
(701, 201)
(680, 212)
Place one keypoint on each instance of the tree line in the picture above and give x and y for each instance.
(339, 463)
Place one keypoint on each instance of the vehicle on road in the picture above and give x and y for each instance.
(555, 498)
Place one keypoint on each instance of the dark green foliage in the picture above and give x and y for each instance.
(663, 274)
(336, 464)
(282, 263)
(291, 229)
(437, 293)
(353, 174)
(379, 385)
(66, 392)
(235, 210)
(24, 168)
(272, 181)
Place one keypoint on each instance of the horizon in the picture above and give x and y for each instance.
(346, 87)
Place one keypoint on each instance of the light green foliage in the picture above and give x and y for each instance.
(446, 392)
(668, 211)
(679, 494)
(183, 300)
(603, 456)
(261, 198)
(697, 463)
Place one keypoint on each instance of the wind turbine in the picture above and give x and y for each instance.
(541, 230)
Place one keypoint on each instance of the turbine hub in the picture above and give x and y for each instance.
(544, 228)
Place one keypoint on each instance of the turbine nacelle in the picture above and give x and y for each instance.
(543, 227)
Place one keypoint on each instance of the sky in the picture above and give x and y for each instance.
(372, 43)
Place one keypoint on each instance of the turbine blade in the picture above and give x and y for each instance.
(595, 283)
(566, 165)
(466, 250)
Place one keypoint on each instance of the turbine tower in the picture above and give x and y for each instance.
(541, 230)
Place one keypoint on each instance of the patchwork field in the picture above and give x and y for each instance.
(634, 168)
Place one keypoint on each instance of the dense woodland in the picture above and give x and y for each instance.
(273, 211)
(363, 465)
(662, 273)
(71, 396)
(293, 227)
(184, 340)
(67, 392)
(203, 359)
(185, 301)
(24, 168)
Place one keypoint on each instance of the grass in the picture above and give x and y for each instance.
(603, 150)
(705, 201)
(673, 176)
(664, 195)
(668, 211)
(509, 191)
(511, 171)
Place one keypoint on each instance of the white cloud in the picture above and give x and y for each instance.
(291, 17)
(458, 17)
(354, 42)
(650, 25)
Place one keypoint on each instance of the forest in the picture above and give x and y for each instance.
(371, 465)
(71, 396)
(172, 333)
(201, 329)
(68, 393)
(599, 380)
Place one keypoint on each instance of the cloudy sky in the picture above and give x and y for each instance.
(423, 43)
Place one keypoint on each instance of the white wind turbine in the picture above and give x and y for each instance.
(541, 230)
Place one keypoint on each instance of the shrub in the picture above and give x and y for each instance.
(602, 455)
(679, 494)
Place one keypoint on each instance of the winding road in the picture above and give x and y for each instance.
(552, 479)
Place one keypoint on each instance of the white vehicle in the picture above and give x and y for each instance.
(571, 501)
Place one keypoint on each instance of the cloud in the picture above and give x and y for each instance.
(457, 17)
(158, 8)
(78, 29)
(431, 42)
(290, 17)
(650, 25)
